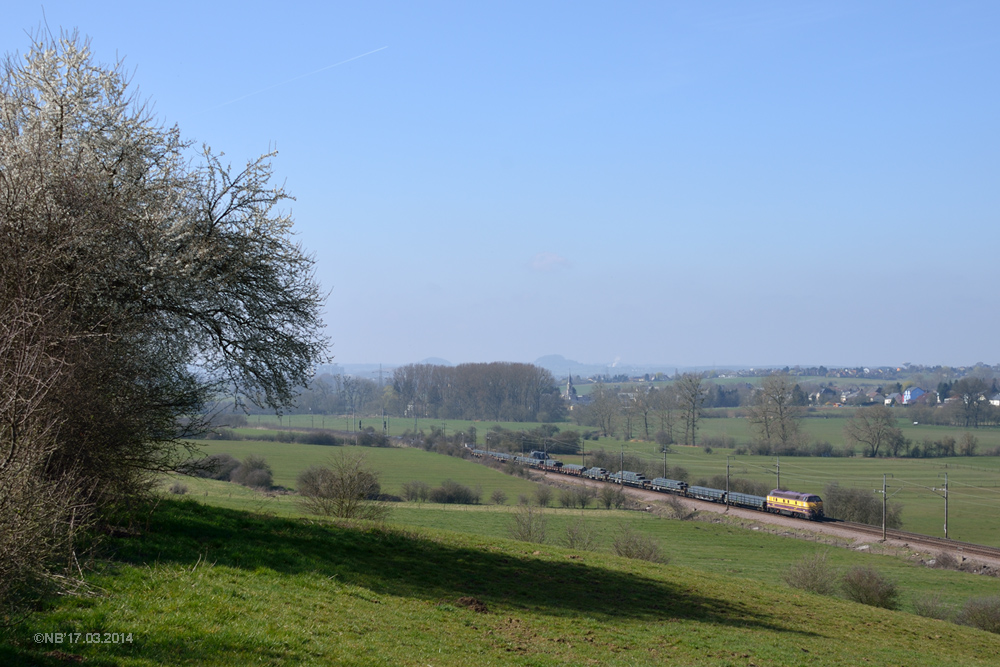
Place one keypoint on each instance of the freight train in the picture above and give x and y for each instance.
(789, 503)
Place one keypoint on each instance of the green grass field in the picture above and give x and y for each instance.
(717, 544)
(206, 585)
(396, 465)
(825, 424)
(974, 482)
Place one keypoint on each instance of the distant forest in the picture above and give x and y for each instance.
(498, 391)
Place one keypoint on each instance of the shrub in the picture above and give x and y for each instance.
(416, 490)
(945, 561)
(522, 499)
(866, 585)
(679, 473)
(630, 543)
(859, 505)
(369, 438)
(216, 466)
(527, 524)
(498, 497)
(567, 498)
(451, 492)
(813, 573)
(982, 613)
(543, 495)
(612, 496)
(582, 496)
(178, 488)
(679, 509)
(930, 606)
(254, 472)
(346, 489)
(580, 535)
(319, 438)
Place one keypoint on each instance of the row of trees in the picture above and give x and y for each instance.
(669, 414)
(498, 391)
(342, 395)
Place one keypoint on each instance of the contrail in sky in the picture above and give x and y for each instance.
(294, 78)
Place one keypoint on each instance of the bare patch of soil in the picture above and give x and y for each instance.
(472, 603)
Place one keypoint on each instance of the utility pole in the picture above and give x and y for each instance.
(885, 499)
(621, 469)
(777, 463)
(945, 489)
(664, 461)
(727, 481)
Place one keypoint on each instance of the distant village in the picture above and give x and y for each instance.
(822, 386)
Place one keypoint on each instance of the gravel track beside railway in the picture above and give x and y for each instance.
(859, 537)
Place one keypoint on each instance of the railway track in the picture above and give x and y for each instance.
(965, 548)
(913, 539)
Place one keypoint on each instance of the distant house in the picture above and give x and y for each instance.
(912, 395)
(995, 400)
(848, 394)
(893, 399)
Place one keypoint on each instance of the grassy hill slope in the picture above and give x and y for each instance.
(205, 585)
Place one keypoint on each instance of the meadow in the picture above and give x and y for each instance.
(396, 466)
(973, 482)
(202, 584)
(823, 425)
(715, 543)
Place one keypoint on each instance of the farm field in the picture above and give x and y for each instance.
(974, 482)
(212, 586)
(397, 465)
(717, 544)
(824, 425)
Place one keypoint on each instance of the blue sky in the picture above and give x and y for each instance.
(679, 183)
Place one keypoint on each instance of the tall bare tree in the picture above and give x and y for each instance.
(605, 408)
(664, 404)
(774, 420)
(691, 396)
(873, 427)
(974, 393)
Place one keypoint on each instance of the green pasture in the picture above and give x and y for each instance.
(974, 482)
(716, 544)
(397, 465)
(396, 425)
(822, 424)
(204, 585)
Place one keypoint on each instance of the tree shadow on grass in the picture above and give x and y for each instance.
(385, 561)
(395, 562)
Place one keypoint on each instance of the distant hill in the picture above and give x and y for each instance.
(560, 366)
(436, 361)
